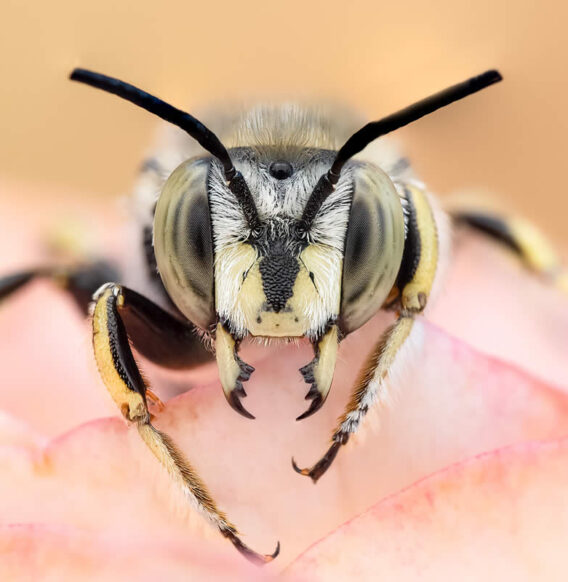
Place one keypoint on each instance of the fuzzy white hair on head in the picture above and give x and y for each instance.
(291, 125)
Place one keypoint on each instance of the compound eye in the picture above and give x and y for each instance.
(183, 243)
(373, 247)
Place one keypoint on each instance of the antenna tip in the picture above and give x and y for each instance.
(81, 75)
(490, 77)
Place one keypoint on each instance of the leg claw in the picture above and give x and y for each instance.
(155, 399)
(322, 465)
(251, 555)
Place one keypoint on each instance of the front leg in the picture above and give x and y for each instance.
(128, 389)
(367, 391)
(415, 281)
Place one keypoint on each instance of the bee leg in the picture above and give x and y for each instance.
(80, 281)
(232, 370)
(415, 281)
(368, 390)
(154, 399)
(127, 387)
(161, 337)
(155, 333)
(319, 372)
(12, 283)
(522, 237)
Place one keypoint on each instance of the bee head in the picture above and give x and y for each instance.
(271, 278)
(279, 241)
(279, 277)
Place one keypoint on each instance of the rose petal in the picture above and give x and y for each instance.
(453, 403)
(34, 552)
(15, 433)
(502, 516)
(493, 303)
(48, 374)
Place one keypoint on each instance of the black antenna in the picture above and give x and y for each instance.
(376, 129)
(206, 138)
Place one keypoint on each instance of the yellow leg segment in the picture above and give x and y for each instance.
(129, 390)
(370, 385)
(416, 291)
(537, 252)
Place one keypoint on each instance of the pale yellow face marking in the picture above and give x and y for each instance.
(318, 300)
(311, 306)
(231, 263)
(325, 365)
(228, 367)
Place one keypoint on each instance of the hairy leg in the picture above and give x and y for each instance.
(413, 286)
(123, 379)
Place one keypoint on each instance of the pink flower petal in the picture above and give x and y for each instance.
(36, 552)
(49, 378)
(18, 434)
(501, 516)
(453, 404)
(493, 303)
(450, 404)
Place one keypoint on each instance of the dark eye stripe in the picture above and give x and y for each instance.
(193, 244)
(412, 248)
(373, 247)
(184, 244)
(357, 248)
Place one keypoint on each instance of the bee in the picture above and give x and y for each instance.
(278, 229)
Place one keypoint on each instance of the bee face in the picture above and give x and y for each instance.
(278, 288)
(278, 280)
(281, 281)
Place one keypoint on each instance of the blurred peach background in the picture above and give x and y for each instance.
(377, 56)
